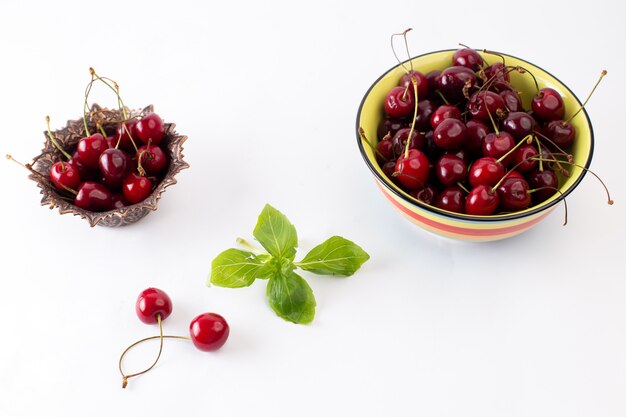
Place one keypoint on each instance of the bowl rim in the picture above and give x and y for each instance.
(469, 217)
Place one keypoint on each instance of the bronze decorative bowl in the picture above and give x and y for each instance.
(68, 138)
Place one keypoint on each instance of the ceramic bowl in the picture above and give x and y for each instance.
(462, 226)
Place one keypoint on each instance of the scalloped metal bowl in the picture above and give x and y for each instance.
(462, 226)
(69, 136)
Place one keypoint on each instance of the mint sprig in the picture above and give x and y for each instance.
(288, 294)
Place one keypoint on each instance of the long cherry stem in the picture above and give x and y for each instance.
(602, 74)
(54, 141)
(408, 141)
(403, 34)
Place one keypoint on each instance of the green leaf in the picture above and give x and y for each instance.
(291, 298)
(236, 268)
(277, 235)
(336, 256)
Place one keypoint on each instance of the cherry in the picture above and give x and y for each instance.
(430, 148)
(209, 331)
(118, 201)
(523, 158)
(518, 124)
(450, 169)
(451, 199)
(399, 140)
(399, 102)
(84, 171)
(114, 166)
(476, 132)
(136, 188)
(422, 83)
(64, 175)
(481, 201)
(486, 105)
(450, 134)
(431, 78)
(468, 58)
(93, 196)
(412, 170)
(154, 160)
(127, 134)
(425, 109)
(454, 81)
(548, 104)
(513, 193)
(150, 128)
(445, 111)
(487, 171)
(389, 168)
(385, 151)
(497, 75)
(426, 194)
(390, 126)
(560, 132)
(544, 183)
(90, 148)
(496, 145)
(151, 303)
(512, 101)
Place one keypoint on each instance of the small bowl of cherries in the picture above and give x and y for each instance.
(111, 166)
(474, 145)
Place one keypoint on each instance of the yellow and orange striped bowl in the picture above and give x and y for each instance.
(462, 226)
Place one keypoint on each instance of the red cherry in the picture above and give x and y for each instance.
(450, 134)
(476, 132)
(412, 171)
(399, 102)
(481, 201)
(153, 159)
(545, 183)
(150, 127)
(468, 58)
(450, 169)
(209, 331)
(513, 194)
(125, 132)
(86, 173)
(431, 78)
(390, 126)
(64, 175)
(519, 124)
(496, 145)
(451, 199)
(426, 194)
(486, 171)
(422, 83)
(454, 81)
(512, 100)
(136, 188)
(425, 109)
(90, 148)
(93, 196)
(548, 104)
(522, 158)
(399, 140)
(560, 132)
(385, 151)
(151, 303)
(118, 201)
(443, 112)
(484, 104)
(114, 166)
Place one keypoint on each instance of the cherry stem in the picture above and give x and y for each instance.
(528, 140)
(408, 141)
(243, 242)
(86, 104)
(602, 74)
(372, 147)
(496, 54)
(403, 34)
(114, 88)
(537, 133)
(40, 175)
(54, 141)
(540, 154)
(102, 131)
(523, 70)
(558, 191)
(460, 185)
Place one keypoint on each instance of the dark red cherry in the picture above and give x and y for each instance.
(412, 171)
(476, 132)
(93, 196)
(118, 201)
(385, 151)
(454, 81)
(523, 158)
(125, 132)
(496, 75)
(481, 201)
(445, 111)
(136, 188)
(422, 83)
(496, 145)
(389, 168)
(114, 166)
(86, 173)
(153, 159)
(64, 175)
(399, 102)
(518, 124)
(431, 78)
(150, 128)
(430, 148)
(425, 109)
(450, 169)
(209, 331)
(451, 199)
(486, 105)
(513, 194)
(151, 303)
(548, 105)
(485, 171)
(426, 194)
(468, 58)
(560, 132)
(512, 101)
(90, 148)
(450, 134)
(399, 141)
(390, 126)
(544, 184)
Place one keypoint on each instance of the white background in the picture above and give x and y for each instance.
(267, 93)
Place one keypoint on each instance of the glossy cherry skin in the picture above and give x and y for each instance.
(86, 173)
(425, 109)
(422, 83)
(544, 182)
(450, 134)
(151, 303)
(398, 142)
(118, 201)
(485, 171)
(209, 331)
(453, 80)
(64, 175)
(426, 194)
(125, 131)
(90, 148)
(548, 105)
(389, 169)
(476, 132)
(431, 78)
(497, 76)
(450, 169)
(496, 145)
(385, 151)
(136, 188)
(389, 126)
(560, 132)
(523, 158)
(512, 100)
(150, 128)
(467, 58)
(443, 112)
(399, 102)
(93, 196)
(482, 104)
(451, 199)
(114, 166)
(412, 171)
(153, 159)
(519, 124)
(513, 194)
(481, 201)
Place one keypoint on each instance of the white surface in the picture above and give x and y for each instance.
(267, 93)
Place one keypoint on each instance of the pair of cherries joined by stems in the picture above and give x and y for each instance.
(207, 331)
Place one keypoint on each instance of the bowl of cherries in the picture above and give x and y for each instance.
(111, 166)
(474, 145)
